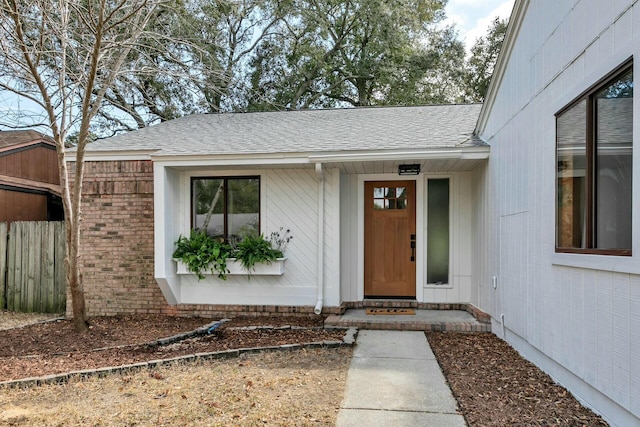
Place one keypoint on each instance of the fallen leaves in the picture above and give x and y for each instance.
(495, 386)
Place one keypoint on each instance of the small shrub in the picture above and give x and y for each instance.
(200, 252)
(280, 240)
(254, 249)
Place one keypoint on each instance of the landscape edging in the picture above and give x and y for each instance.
(347, 341)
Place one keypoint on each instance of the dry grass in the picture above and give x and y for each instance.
(297, 388)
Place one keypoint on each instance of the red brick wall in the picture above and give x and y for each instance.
(117, 239)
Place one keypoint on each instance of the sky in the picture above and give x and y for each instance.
(473, 17)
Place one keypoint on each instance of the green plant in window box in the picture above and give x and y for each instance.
(254, 249)
(201, 253)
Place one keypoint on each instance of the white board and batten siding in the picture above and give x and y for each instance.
(289, 199)
(576, 316)
(459, 288)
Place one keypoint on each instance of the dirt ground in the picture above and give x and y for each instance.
(294, 388)
(53, 347)
(494, 386)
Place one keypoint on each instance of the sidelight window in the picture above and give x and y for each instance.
(438, 231)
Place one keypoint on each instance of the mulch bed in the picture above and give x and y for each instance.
(495, 386)
(54, 347)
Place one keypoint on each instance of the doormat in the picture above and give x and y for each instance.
(389, 311)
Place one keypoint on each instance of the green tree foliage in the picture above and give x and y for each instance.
(480, 65)
(203, 53)
(356, 53)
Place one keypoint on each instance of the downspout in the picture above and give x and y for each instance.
(320, 262)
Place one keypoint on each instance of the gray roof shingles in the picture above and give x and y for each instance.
(307, 131)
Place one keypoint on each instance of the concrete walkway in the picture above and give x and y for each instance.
(395, 380)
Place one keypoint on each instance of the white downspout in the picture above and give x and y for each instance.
(320, 262)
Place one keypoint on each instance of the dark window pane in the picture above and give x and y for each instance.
(614, 139)
(390, 192)
(208, 206)
(572, 155)
(243, 199)
(438, 231)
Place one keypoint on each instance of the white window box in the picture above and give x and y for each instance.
(275, 268)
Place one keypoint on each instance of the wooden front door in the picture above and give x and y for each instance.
(389, 239)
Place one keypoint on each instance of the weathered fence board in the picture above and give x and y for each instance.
(34, 266)
(3, 263)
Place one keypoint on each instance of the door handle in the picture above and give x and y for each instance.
(413, 247)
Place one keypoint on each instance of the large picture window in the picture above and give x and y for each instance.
(226, 208)
(594, 156)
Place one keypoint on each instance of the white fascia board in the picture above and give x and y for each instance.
(476, 155)
(444, 153)
(246, 160)
(106, 156)
(515, 23)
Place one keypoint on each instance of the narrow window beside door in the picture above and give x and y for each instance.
(438, 231)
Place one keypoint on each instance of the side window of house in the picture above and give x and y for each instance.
(594, 169)
(227, 207)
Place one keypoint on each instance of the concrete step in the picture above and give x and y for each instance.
(422, 320)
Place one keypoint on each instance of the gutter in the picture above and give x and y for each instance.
(320, 262)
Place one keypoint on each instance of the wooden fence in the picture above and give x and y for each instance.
(32, 272)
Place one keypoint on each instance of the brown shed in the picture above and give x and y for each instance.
(29, 177)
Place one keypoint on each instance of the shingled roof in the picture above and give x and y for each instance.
(9, 138)
(307, 131)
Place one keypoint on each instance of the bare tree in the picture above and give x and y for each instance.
(63, 56)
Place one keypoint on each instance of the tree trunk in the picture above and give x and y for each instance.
(74, 279)
(72, 235)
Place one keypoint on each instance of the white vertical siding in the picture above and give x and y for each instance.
(332, 228)
(576, 316)
(634, 343)
(349, 237)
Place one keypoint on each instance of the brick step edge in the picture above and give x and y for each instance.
(348, 340)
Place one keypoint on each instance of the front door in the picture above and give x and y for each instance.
(389, 239)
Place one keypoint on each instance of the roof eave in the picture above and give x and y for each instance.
(116, 155)
(466, 153)
(515, 23)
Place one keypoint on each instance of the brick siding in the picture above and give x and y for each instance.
(117, 239)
